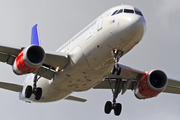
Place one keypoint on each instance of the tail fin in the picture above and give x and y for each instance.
(35, 36)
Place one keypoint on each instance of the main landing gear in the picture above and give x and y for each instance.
(36, 91)
(117, 107)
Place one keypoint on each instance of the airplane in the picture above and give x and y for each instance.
(90, 59)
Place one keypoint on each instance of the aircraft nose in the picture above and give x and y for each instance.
(134, 25)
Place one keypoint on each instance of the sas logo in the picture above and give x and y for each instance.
(112, 21)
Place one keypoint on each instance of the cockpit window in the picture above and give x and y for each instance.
(120, 11)
(114, 13)
(132, 11)
(128, 11)
(138, 12)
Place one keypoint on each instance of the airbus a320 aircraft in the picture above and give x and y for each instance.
(88, 60)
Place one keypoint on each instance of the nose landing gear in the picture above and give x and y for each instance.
(116, 68)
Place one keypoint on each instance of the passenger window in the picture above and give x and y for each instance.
(114, 13)
(120, 11)
(128, 11)
(138, 12)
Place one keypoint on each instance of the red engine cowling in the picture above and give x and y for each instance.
(29, 60)
(151, 84)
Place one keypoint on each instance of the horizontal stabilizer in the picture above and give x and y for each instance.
(76, 99)
(10, 86)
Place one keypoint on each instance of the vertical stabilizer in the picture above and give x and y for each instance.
(35, 36)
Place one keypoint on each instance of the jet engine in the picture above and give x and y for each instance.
(151, 84)
(29, 60)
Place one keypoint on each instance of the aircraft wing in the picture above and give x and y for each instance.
(130, 78)
(173, 86)
(53, 59)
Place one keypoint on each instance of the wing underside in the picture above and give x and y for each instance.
(53, 60)
(129, 80)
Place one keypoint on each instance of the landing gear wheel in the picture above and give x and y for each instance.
(118, 70)
(108, 107)
(117, 109)
(113, 70)
(38, 93)
(28, 91)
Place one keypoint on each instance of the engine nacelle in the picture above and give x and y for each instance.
(29, 60)
(151, 84)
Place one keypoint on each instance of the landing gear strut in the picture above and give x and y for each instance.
(117, 107)
(116, 68)
(36, 91)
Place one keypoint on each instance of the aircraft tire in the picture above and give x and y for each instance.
(28, 91)
(38, 93)
(108, 107)
(118, 70)
(113, 70)
(117, 109)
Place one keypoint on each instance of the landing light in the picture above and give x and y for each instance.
(57, 69)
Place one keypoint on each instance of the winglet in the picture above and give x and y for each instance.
(35, 36)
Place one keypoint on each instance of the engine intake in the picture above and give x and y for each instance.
(151, 84)
(29, 60)
(35, 54)
(157, 80)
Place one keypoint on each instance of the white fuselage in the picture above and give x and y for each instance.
(90, 53)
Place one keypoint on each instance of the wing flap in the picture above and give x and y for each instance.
(7, 58)
(10, 86)
(46, 72)
(56, 59)
(8, 53)
(105, 84)
(52, 61)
